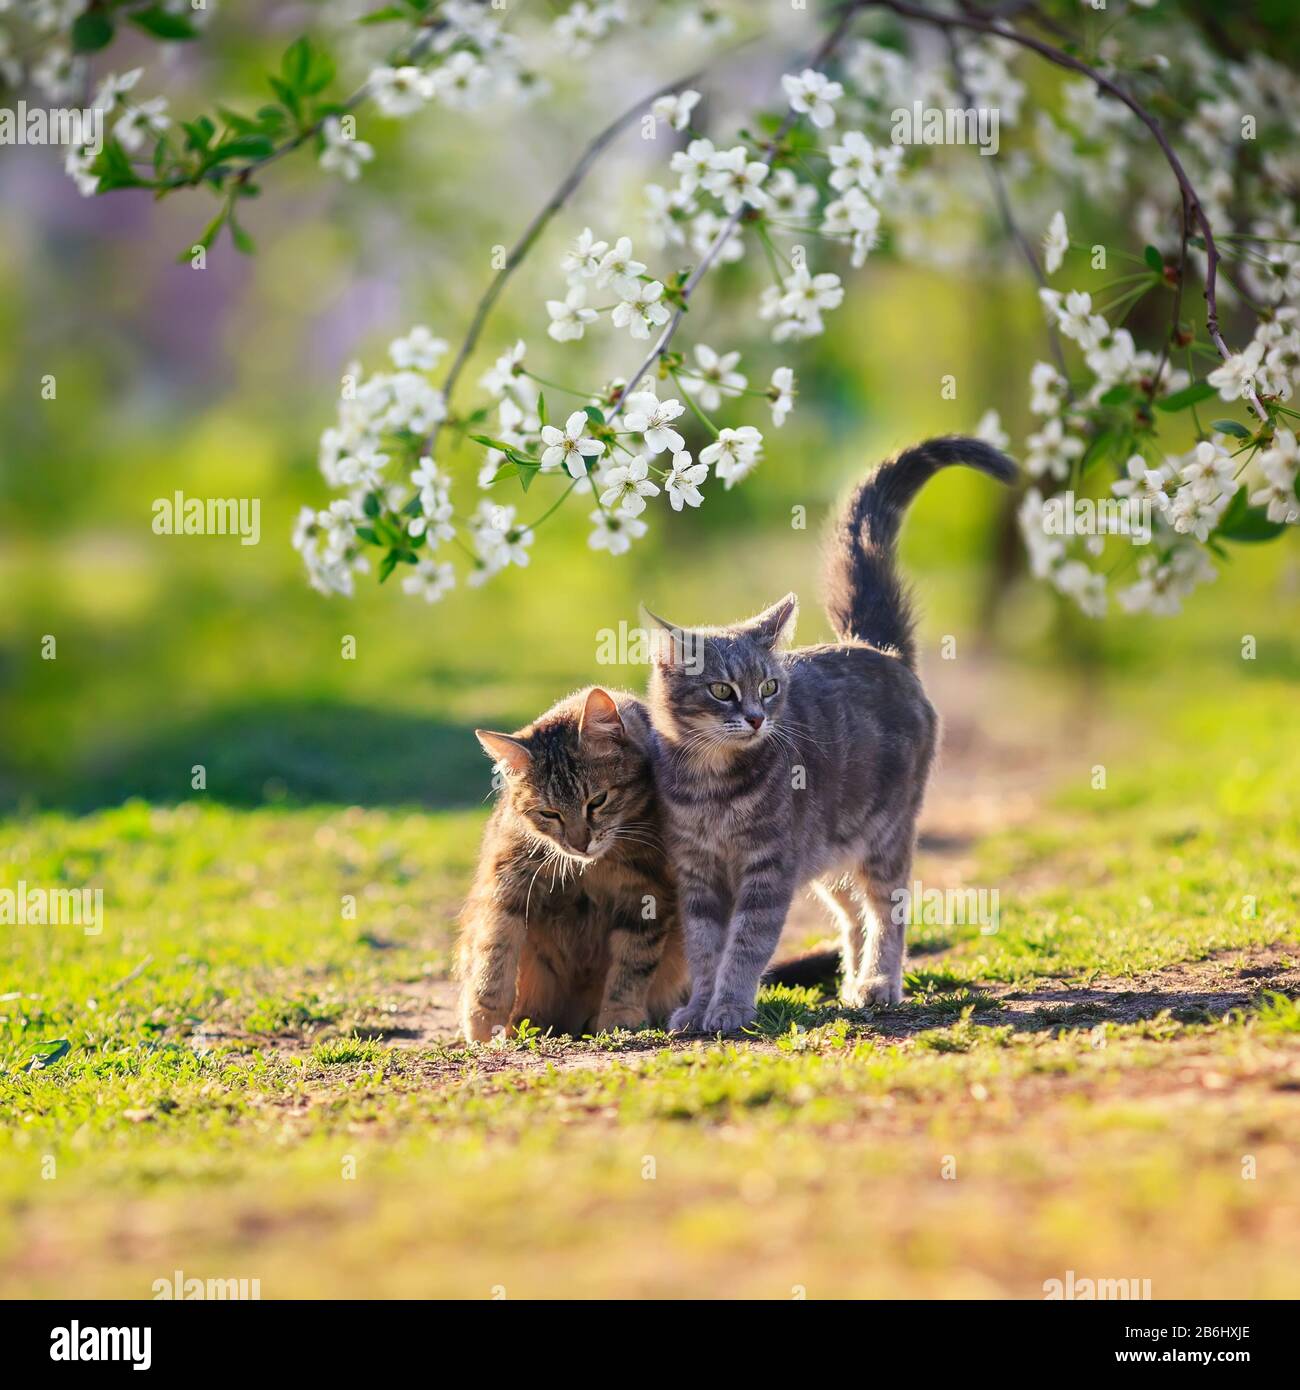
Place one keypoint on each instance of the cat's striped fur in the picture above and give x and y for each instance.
(778, 769)
(572, 920)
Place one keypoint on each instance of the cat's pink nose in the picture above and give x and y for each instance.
(755, 721)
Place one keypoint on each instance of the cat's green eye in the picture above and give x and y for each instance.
(720, 690)
(597, 801)
(767, 689)
(551, 815)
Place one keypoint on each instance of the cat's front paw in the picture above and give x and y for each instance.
(729, 1016)
(610, 1019)
(688, 1019)
(878, 992)
(481, 1025)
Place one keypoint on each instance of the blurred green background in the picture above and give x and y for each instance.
(173, 651)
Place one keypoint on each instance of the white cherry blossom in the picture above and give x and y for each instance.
(1056, 243)
(627, 485)
(781, 393)
(651, 418)
(571, 446)
(569, 316)
(734, 453)
(343, 154)
(683, 482)
(715, 376)
(736, 179)
(615, 531)
(811, 93)
(676, 108)
(419, 349)
(641, 310)
(400, 91)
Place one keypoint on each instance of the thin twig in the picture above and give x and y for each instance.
(133, 975)
(1175, 327)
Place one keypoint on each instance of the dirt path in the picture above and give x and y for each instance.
(1193, 991)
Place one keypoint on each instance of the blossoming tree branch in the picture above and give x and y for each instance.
(1164, 439)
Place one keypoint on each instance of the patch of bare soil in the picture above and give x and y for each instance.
(1193, 991)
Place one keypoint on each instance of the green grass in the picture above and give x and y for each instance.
(240, 1096)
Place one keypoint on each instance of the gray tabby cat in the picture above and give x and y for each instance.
(780, 769)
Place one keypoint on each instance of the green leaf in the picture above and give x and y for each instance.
(527, 472)
(385, 16)
(114, 168)
(1119, 395)
(1154, 259)
(47, 1053)
(286, 94)
(1231, 427)
(271, 120)
(241, 125)
(305, 70)
(371, 505)
(91, 32)
(1242, 522)
(163, 24)
(367, 534)
(1190, 395)
(321, 72)
(296, 63)
(386, 532)
(387, 565)
(208, 237)
(242, 147)
(1106, 443)
(594, 414)
(198, 133)
(500, 445)
(244, 243)
(541, 407)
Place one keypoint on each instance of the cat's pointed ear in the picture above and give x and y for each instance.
(601, 721)
(669, 643)
(774, 625)
(505, 751)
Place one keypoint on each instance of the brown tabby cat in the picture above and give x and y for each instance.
(572, 919)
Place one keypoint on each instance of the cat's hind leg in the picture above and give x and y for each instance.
(880, 888)
(840, 895)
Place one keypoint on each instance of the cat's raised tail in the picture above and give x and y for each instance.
(866, 599)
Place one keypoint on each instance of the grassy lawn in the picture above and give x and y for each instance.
(257, 1087)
